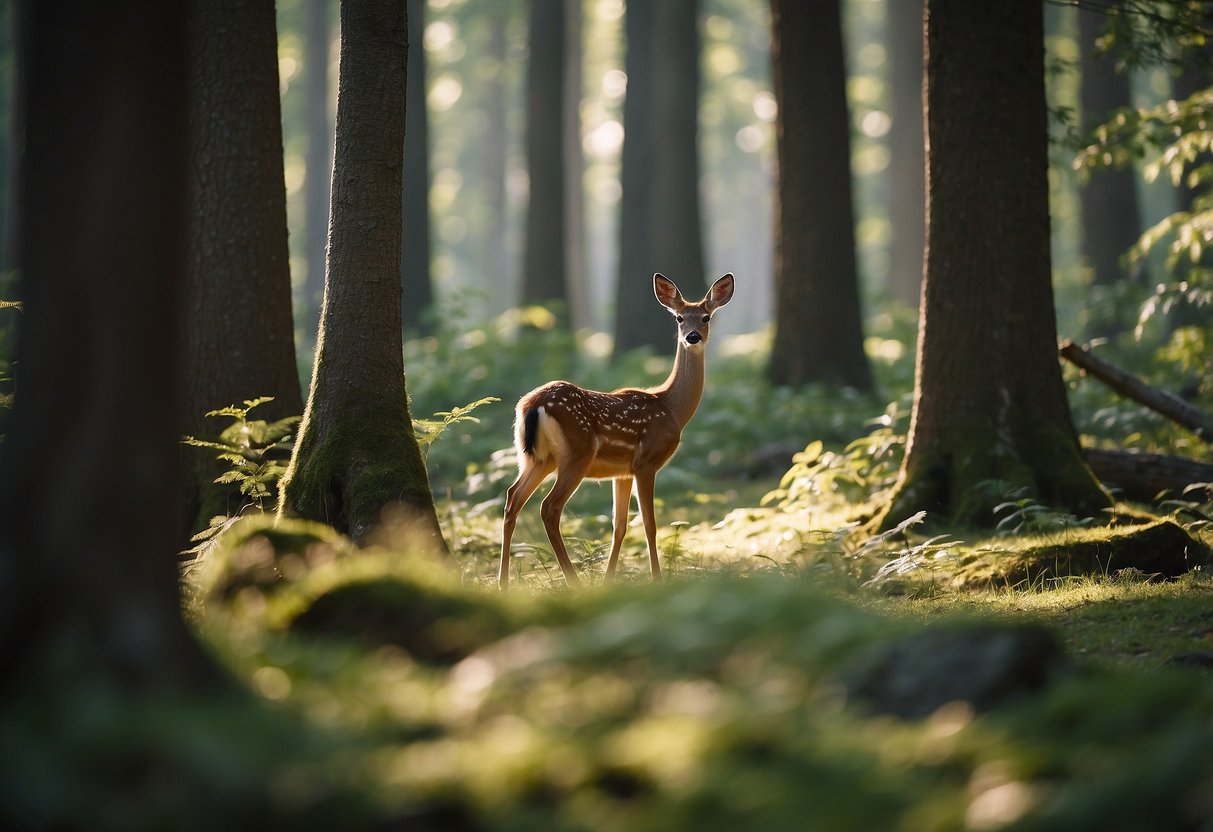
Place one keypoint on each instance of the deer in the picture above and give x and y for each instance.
(627, 435)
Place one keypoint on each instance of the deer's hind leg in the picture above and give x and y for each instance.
(569, 475)
(532, 473)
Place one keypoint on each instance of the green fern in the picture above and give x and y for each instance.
(252, 448)
(428, 431)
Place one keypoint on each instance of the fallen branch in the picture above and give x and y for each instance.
(1142, 476)
(1130, 386)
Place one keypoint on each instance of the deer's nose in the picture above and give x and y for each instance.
(694, 337)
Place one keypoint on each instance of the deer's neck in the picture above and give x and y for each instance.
(684, 387)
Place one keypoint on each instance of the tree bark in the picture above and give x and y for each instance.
(89, 472)
(543, 272)
(632, 290)
(417, 300)
(356, 454)
(990, 412)
(906, 153)
(660, 221)
(10, 255)
(1144, 476)
(818, 323)
(240, 334)
(1130, 386)
(580, 314)
(319, 163)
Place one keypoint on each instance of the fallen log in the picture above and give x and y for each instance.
(1131, 387)
(1142, 476)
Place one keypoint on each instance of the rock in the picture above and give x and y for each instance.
(982, 665)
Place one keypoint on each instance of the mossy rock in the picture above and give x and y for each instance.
(1159, 549)
(263, 554)
(432, 627)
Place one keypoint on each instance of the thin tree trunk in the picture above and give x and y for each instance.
(317, 40)
(818, 324)
(544, 264)
(1109, 197)
(89, 477)
(497, 262)
(357, 455)
(580, 315)
(907, 200)
(240, 335)
(417, 300)
(990, 412)
(1131, 387)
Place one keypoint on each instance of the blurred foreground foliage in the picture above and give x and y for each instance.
(385, 693)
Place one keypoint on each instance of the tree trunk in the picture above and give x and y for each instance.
(10, 256)
(990, 412)
(240, 334)
(543, 273)
(580, 314)
(89, 476)
(906, 154)
(1109, 197)
(498, 263)
(356, 454)
(660, 224)
(319, 163)
(818, 324)
(417, 300)
(633, 325)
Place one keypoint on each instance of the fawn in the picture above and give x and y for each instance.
(627, 435)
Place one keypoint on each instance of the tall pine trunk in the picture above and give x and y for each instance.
(990, 411)
(543, 271)
(660, 218)
(818, 324)
(357, 454)
(240, 334)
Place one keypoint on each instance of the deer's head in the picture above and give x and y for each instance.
(694, 319)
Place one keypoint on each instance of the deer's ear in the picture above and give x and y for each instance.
(667, 293)
(720, 293)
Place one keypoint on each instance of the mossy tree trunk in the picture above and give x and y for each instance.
(990, 411)
(356, 454)
(89, 470)
(240, 334)
(818, 324)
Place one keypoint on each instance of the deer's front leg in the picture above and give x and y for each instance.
(645, 483)
(623, 496)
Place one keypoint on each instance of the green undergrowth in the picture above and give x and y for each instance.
(715, 700)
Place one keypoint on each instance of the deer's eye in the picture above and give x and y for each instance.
(678, 318)
(707, 318)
